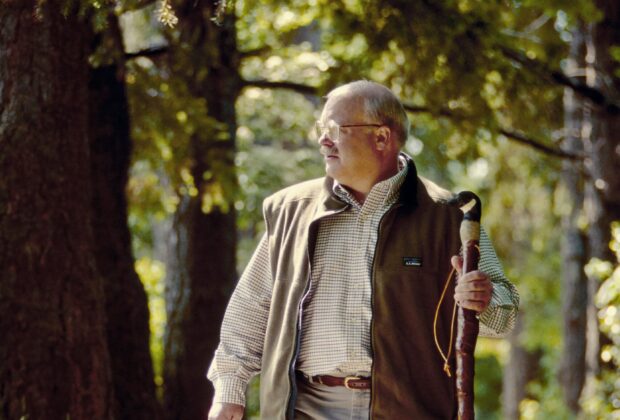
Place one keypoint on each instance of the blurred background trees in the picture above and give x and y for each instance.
(150, 132)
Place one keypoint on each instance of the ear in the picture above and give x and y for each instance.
(384, 137)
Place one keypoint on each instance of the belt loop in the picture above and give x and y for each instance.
(302, 375)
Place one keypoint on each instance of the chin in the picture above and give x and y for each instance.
(331, 171)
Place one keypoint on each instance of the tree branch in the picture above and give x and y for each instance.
(441, 112)
(512, 135)
(552, 151)
(557, 76)
(255, 52)
(149, 52)
(296, 87)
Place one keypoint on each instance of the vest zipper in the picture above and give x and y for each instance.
(290, 410)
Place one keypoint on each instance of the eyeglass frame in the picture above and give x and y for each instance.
(321, 129)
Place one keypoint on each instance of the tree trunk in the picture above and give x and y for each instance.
(55, 362)
(574, 282)
(126, 303)
(202, 273)
(522, 367)
(602, 147)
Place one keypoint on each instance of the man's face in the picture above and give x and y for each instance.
(351, 158)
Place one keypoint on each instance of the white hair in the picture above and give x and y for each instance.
(380, 104)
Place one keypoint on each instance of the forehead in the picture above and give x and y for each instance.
(343, 109)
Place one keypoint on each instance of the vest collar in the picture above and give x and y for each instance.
(329, 203)
(408, 196)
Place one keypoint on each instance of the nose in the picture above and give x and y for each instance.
(324, 140)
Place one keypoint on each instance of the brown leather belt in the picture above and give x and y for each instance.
(349, 382)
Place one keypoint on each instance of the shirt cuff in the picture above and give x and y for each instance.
(229, 389)
(497, 321)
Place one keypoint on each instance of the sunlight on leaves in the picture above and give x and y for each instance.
(151, 273)
(166, 14)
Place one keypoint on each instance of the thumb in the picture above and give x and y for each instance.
(457, 263)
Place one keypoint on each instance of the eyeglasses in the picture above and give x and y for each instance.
(332, 129)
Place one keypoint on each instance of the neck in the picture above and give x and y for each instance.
(361, 190)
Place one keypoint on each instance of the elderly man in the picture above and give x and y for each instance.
(338, 309)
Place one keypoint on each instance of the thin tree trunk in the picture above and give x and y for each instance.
(126, 303)
(202, 272)
(574, 255)
(55, 362)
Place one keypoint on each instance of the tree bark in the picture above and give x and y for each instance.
(126, 306)
(574, 255)
(55, 361)
(602, 146)
(202, 272)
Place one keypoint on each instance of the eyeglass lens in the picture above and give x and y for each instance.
(331, 129)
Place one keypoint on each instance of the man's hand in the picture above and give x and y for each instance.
(474, 289)
(226, 411)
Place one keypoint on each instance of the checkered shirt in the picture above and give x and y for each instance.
(336, 314)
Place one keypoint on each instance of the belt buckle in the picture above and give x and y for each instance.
(350, 378)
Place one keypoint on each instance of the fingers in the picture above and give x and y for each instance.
(473, 291)
(457, 263)
(468, 283)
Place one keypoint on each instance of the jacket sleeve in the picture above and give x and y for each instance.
(498, 319)
(238, 356)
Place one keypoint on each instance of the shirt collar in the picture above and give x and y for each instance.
(386, 191)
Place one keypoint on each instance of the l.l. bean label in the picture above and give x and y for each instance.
(412, 261)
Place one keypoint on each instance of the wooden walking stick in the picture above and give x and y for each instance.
(467, 322)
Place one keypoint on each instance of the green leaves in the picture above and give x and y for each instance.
(604, 400)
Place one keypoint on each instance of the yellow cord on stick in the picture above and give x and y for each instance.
(445, 357)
